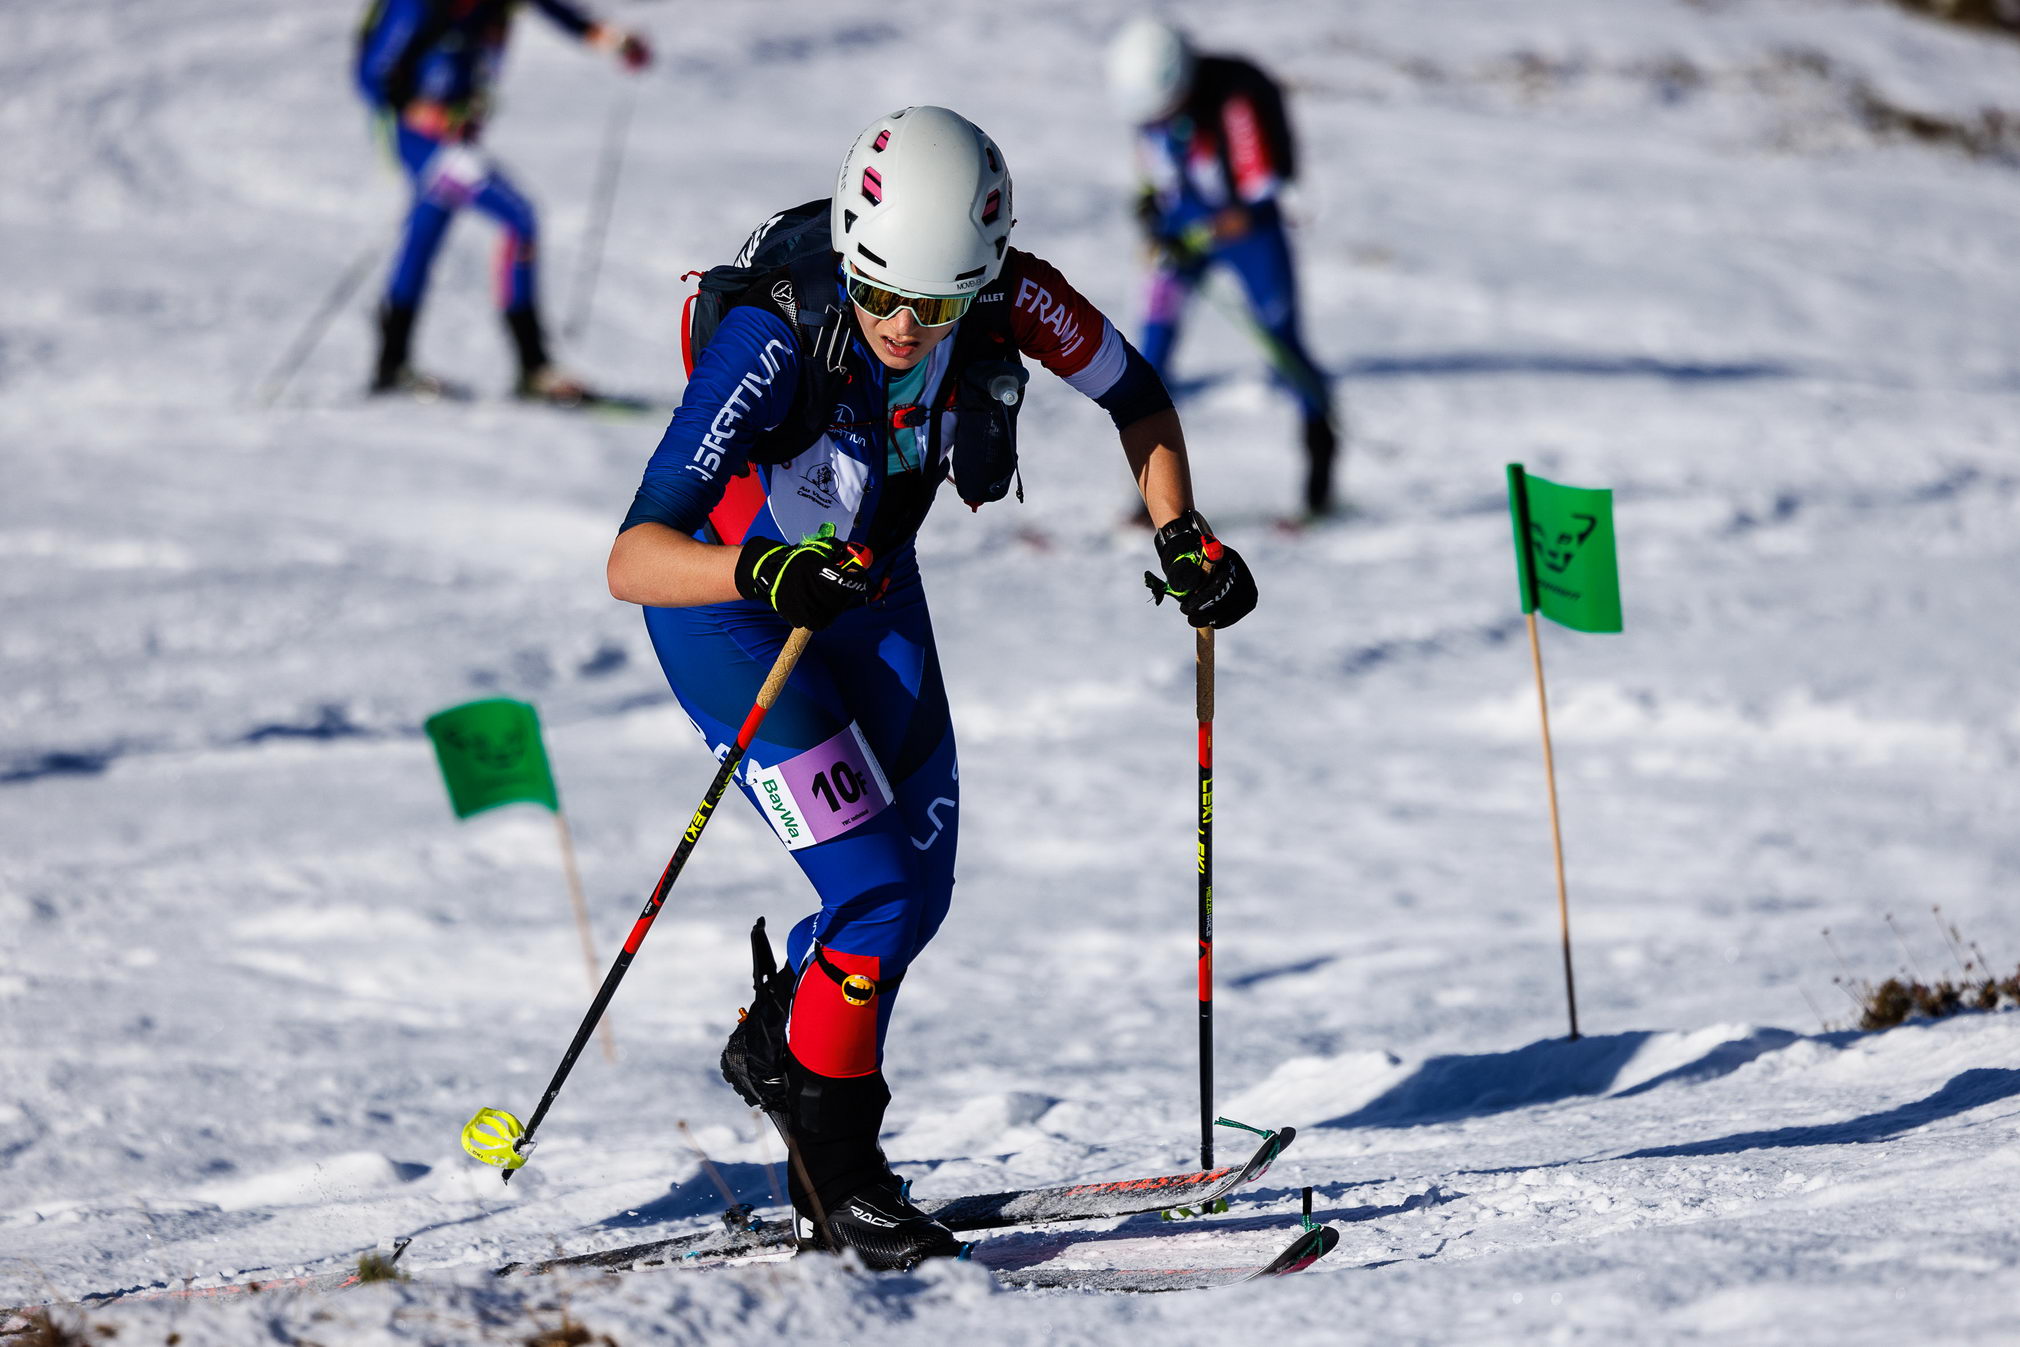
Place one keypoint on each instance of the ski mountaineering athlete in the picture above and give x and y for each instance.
(426, 67)
(869, 350)
(1215, 148)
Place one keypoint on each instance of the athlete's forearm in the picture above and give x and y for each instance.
(653, 565)
(1155, 446)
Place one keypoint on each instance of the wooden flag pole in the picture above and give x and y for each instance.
(1556, 831)
(589, 961)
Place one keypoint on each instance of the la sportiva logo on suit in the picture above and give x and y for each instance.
(708, 454)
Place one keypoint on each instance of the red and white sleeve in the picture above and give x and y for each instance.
(1055, 325)
(1256, 173)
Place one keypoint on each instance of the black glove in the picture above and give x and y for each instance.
(809, 584)
(1149, 215)
(1208, 578)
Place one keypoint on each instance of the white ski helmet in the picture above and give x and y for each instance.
(923, 204)
(1149, 69)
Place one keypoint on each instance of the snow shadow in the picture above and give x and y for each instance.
(1471, 1085)
(1965, 1091)
(332, 721)
(41, 765)
(698, 1197)
(1450, 364)
(1484, 364)
(1381, 654)
(1242, 981)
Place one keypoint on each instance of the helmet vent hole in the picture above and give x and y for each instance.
(1002, 242)
(992, 207)
(969, 275)
(995, 163)
(883, 139)
(848, 220)
(872, 257)
(873, 187)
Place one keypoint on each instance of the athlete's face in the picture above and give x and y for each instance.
(899, 341)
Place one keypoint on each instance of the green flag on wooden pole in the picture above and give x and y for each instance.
(1564, 555)
(1567, 570)
(491, 755)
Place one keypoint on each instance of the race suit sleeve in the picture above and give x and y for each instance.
(742, 386)
(568, 16)
(1055, 325)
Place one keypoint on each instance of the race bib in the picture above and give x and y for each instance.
(822, 793)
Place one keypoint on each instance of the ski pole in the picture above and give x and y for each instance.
(607, 171)
(495, 1136)
(1304, 379)
(271, 387)
(1203, 696)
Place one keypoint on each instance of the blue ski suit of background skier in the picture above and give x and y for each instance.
(790, 457)
(426, 68)
(1216, 149)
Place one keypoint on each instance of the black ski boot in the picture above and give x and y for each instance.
(855, 1201)
(1322, 444)
(844, 1194)
(392, 373)
(539, 381)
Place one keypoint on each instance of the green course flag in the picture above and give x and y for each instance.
(1564, 552)
(491, 754)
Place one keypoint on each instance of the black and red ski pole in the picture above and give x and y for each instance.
(1203, 695)
(495, 1136)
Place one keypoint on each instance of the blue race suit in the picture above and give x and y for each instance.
(443, 55)
(854, 768)
(1227, 145)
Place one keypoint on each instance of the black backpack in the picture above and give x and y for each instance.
(788, 266)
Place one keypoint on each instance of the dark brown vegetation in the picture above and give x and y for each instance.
(569, 1333)
(1908, 996)
(1896, 1001)
(2003, 14)
(53, 1328)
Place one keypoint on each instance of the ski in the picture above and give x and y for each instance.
(1115, 1197)
(1310, 1245)
(772, 1241)
(1199, 1190)
(756, 1240)
(351, 1274)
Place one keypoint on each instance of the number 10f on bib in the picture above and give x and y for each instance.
(823, 792)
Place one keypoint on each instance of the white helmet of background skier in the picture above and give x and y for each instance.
(1149, 70)
(922, 206)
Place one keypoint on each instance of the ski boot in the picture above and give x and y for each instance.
(392, 374)
(844, 1194)
(539, 380)
(554, 388)
(1322, 444)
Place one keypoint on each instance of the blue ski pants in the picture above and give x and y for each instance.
(854, 769)
(446, 176)
(1261, 260)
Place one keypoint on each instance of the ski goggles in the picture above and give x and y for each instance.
(881, 302)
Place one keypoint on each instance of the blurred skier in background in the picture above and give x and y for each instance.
(426, 68)
(1216, 150)
(867, 350)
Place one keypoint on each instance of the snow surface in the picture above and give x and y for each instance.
(254, 977)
